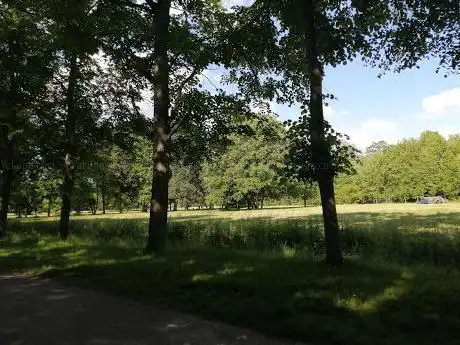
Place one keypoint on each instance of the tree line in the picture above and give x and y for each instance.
(248, 171)
(73, 73)
(413, 168)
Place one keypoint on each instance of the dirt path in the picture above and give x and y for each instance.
(35, 311)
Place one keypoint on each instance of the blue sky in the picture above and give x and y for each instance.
(394, 107)
(391, 108)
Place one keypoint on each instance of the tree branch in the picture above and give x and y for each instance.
(251, 69)
(137, 6)
(177, 101)
(153, 6)
(181, 86)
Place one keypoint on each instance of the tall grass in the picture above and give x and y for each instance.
(403, 238)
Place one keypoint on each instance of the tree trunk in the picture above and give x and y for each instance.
(49, 207)
(97, 198)
(64, 220)
(158, 224)
(8, 123)
(103, 199)
(70, 150)
(321, 155)
(5, 190)
(304, 202)
(120, 202)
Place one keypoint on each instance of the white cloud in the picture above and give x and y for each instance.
(442, 104)
(373, 130)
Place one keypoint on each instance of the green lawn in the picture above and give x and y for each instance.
(261, 269)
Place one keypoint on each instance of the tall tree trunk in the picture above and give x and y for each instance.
(5, 190)
(49, 207)
(97, 198)
(304, 202)
(158, 224)
(103, 197)
(6, 178)
(320, 149)
(64, 220)
(70, 150)
(8, 119)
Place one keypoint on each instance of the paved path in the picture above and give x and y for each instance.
(35, 311)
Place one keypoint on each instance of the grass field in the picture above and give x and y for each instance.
(261, 269)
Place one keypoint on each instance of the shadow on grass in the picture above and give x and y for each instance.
(407, 238)
(299, 298)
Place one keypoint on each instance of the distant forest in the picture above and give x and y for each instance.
(246, 170)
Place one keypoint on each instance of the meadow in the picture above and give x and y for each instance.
(262, 269)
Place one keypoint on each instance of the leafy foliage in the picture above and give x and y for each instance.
(405, 171)
(300, 163)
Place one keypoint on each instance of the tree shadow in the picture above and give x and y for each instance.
(289, 297)
(365, 302)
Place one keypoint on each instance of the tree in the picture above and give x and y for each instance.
(26, 62)
(183, 46)
(186, 186)
(307, 35)
(248, 171)
(375, 147)
(405, 171)
(87, 104)
(413, 30)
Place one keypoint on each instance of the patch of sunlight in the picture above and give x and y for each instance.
(227, 271)
(358, 304)
(288, 252)
(298, 295)
(230, 269)
(188, 262)
(88, 261)
(202, 277)
(76, 253)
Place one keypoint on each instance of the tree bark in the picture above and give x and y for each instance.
(49, 207)
(158, 223)
(103, 198)
(8, 119)
(97, 198)
(70, 150)
(5, 190)
(304, 202)
(321, 155)
(64, 220)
